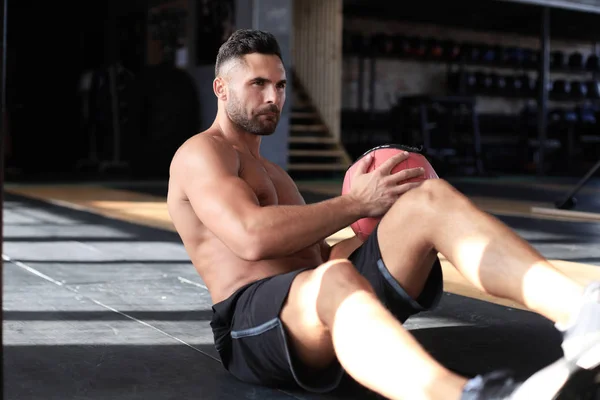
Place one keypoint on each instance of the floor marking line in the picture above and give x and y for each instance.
(46, 277)
(32, 270)
(184, 280)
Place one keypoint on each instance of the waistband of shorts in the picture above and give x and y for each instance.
(223, 306)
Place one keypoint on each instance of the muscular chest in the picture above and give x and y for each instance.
(271, 185)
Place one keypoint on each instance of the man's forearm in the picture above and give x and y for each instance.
(284, 230)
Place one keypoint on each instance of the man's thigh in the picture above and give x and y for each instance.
(270, 334)
(418, 288)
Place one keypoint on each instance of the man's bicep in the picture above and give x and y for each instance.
(221, 200)
(227, 200)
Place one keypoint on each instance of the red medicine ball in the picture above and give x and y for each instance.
(363, 227)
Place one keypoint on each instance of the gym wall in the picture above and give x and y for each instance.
(396, 77)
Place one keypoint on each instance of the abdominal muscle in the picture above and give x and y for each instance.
(224, 273)
(221, 270)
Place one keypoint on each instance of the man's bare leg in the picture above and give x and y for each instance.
(332, 311)
(436, 217)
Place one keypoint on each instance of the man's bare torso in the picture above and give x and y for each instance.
(222, 271)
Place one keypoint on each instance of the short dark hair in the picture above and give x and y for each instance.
(247, 41)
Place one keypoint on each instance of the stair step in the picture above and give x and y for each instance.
(316, 153)
(318, 167)
(308, 128)
(312, 139)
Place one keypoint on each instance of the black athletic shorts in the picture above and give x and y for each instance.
(253, 343)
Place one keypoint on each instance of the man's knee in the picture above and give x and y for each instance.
(433, 195)
(336, 280)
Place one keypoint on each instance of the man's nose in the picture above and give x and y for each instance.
(271, 94)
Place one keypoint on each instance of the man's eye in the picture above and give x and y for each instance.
(259, 83)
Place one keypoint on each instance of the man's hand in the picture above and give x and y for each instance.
(376, 191)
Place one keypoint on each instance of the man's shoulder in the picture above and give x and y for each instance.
(204, 150)
(205, 144)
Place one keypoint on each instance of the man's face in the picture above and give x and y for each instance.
(256, 93)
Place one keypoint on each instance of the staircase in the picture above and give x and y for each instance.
(314, 153)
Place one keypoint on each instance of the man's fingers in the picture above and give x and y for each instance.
(363, 164)
(405, 174)
(390, 163)
(405, 187)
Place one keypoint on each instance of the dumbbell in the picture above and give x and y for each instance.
(401, 46)
(434, 48)
(531, 58)
(561, 89)
(593, 89)
(592, 63)
(558, 115)
(416, 46)
(513, 56)
(557, 60)
(498, 83)
(569, 115)
(451, 50)
(470, 82)
(578, 89)
(525, 85)
(555, 115)
(480, 80)
(383, 44)
(470, 52)
(483, 81)
(512, 85)
(586, 114)
(488, 54)
(576, 61)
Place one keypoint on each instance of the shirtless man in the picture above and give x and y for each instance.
(290, 309)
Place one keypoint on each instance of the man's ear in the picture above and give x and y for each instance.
(220, 88)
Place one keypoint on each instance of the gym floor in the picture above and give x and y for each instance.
(101, 301)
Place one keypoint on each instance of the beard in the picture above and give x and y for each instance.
(255, 124)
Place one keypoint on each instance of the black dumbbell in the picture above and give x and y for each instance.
(555, 115)
(401, 46)
(383, 44)
(531, 58)
(434, 49)
(513, 56)
(586, 115)
(569, 115)
(498, 83)
(557, 60)
(593, 89)
(576, 60)
(451, 50)
(488, 54)
(417, 46)
(470, 82)
(512, 84)
(578, 89)
(592, 63)
(561, 89)
(550, 86)
(469, 52)
(482, 81)
(526, 84)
